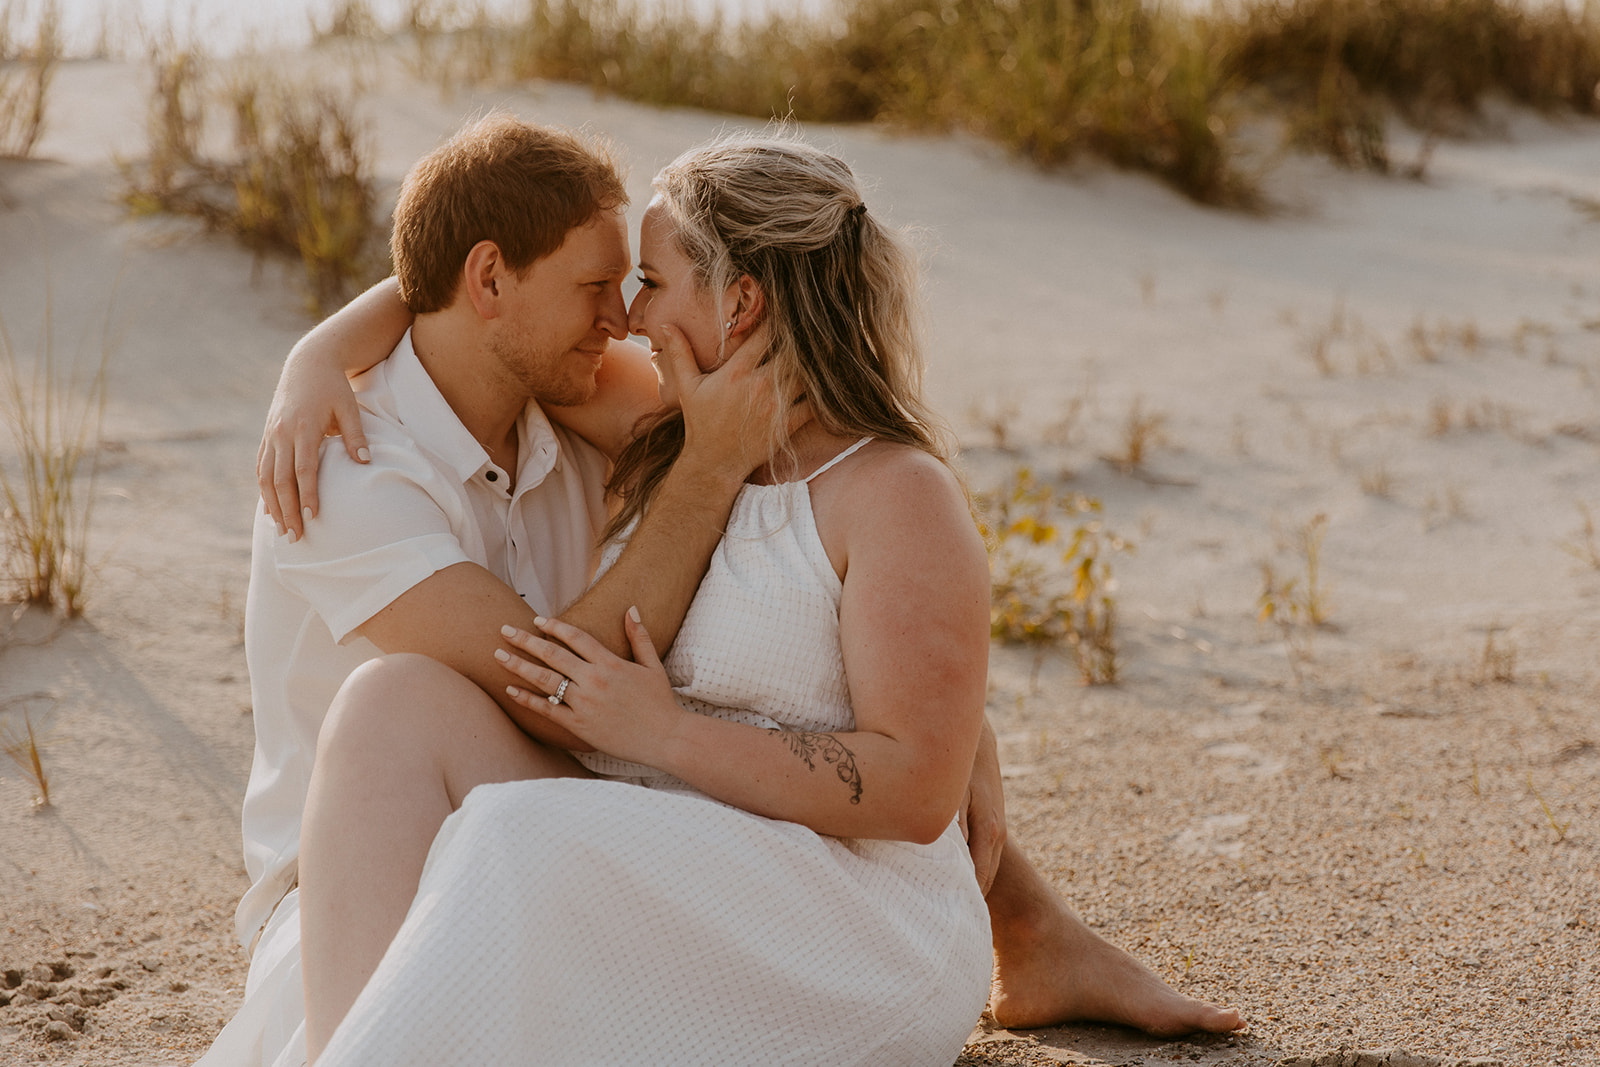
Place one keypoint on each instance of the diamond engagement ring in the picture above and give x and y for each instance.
(561, 691)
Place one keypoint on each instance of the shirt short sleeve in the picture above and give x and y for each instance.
(382, 528)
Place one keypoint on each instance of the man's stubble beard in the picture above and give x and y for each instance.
(543, 376)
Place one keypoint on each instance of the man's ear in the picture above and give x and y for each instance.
(483, 277)
(751, 305)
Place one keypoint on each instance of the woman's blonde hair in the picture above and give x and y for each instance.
(842, 309)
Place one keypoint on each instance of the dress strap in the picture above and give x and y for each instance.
(846, 454)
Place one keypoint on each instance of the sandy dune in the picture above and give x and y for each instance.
(1346, 837)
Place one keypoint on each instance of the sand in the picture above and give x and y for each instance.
(1346, 834)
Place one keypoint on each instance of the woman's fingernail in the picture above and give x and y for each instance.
(633, 613)
(508, 631)
(539, 620)
(282, 529)
(294, 536)
(363, 455)
(306, 511)
(502, 655)
(513, 691)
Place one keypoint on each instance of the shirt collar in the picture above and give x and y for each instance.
(435, 426)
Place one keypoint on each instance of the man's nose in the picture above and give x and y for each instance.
(613, 317)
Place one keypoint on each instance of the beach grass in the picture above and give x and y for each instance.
(297, 181)
(22, 746)
(26, 69)
(1051, 572)
(53, 413)
(1173, 91)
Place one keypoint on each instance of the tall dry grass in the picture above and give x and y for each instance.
(1133, 83)
(296, 180)
(26, 69)
(1341, 66)
(53, 414)
(1145, 85)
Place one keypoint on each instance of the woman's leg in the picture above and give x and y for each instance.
(405, 741)
(1049, 968)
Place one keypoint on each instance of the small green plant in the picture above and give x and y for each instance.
(1367, 351)
(1584, 546)
(998, 418)
(1332, 758)
(1377, 480)
(1560, 828)
(54, 415)
(22, 748)
(1309, 546)
(1297, 605)
(1142, 433)
(26, 70)
(1307, 601)
(1496, 662)
(1052, 583)
(1281, 604)
(1440, 508)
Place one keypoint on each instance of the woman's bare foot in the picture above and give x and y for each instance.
(1051, 969)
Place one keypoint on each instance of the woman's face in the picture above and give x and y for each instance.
(669, 294)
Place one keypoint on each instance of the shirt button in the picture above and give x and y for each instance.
(492, 476)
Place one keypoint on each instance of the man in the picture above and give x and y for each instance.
(475, 511)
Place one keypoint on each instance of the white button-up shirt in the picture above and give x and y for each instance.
(429, 499)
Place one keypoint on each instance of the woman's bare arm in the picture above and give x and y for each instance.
(314, 400)
(914, 627)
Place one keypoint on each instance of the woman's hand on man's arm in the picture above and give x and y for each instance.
(314, 400)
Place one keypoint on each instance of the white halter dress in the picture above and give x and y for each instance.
(635, 920)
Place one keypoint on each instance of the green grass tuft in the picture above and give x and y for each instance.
(1051, 574)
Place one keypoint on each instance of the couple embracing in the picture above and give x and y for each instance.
(625, 705)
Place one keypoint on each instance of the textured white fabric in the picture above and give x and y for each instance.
(607, 922)
(430, 498)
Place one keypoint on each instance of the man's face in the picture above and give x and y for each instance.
(563, 312)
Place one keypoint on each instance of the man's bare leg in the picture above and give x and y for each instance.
(404, 742)
(1049, 968)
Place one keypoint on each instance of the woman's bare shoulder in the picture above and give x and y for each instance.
(891, 467)
(896, 491)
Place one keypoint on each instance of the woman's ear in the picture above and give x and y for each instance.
(750, 304)
(483, 277)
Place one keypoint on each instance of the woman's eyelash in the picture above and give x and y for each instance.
(646, 282)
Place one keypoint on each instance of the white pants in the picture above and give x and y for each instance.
(270, 1028)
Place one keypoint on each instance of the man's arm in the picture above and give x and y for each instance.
(455, 615)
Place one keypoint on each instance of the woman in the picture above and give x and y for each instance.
(767, 866)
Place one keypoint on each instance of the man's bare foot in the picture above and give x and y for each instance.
(1051, 969)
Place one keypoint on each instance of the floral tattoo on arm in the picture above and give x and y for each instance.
(810, 747)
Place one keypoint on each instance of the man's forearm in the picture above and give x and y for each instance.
(665, 558)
